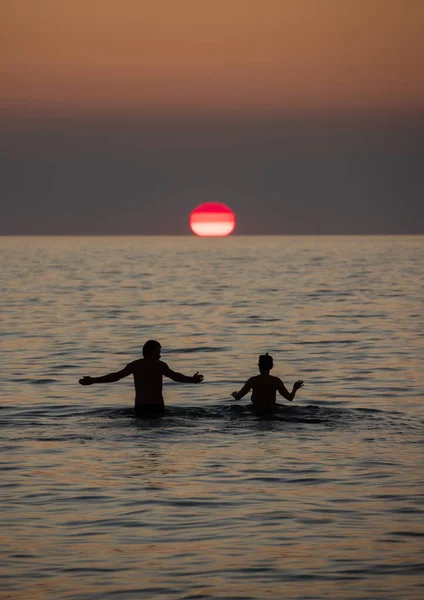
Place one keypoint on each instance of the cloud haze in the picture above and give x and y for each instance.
(280, 177)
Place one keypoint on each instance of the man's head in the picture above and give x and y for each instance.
(265, 363)
(151, 349)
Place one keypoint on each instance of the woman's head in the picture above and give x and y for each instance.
(265, 362)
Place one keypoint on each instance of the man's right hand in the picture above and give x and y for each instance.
(86, 380)
(197, 378)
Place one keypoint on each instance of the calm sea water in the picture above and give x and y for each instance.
(324, 500)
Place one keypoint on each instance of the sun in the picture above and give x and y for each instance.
(212, 219)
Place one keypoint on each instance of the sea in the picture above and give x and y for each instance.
(323, 500)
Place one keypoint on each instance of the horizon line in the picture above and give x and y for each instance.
(211, 236)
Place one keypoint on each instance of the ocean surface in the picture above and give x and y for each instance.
(325, 500)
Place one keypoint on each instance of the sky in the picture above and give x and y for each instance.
(304, 116)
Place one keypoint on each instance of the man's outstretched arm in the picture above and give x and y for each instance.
(109, 378)
(197, 377)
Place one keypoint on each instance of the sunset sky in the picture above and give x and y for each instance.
(175, 55)
(94, 92)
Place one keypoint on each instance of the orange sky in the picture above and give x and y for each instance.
(211, 55)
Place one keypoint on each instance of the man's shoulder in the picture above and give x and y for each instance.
(135, 364)
(144, 365)
(163, 366)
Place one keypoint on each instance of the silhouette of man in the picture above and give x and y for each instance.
(148, 375)
(264, 388)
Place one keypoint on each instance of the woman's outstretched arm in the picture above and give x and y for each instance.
(285, 392)
(244, 390)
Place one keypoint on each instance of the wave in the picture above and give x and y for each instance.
(310, 412)
(82, 421)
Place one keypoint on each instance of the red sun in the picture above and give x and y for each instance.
(212, 219)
